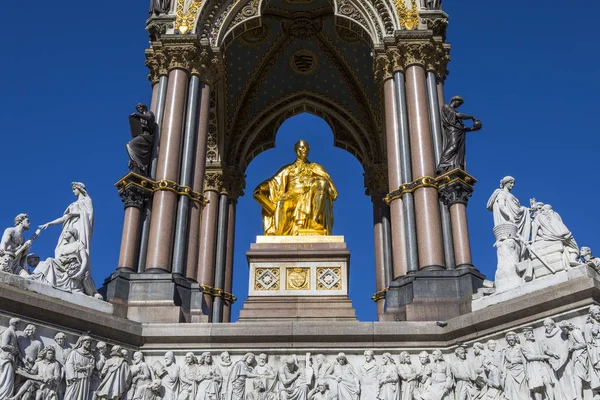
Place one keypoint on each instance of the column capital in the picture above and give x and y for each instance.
(383, 67)
(185, 53)
(134, 190)
(432, 55)
(234, 182)
(376, 180)
(213, 181)
(456, 187)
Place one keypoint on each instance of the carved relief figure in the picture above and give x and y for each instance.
(556, 346)
(298, 199)
(61, 347)
(142, 124)
(589, 259)
(388, 381)
(369, 373)
(79, 217)
(266, 372)
(43, 378)
(515, 380)
(579, 359)
(78, 370)
(209, 378)
(14, 248)
(321, 391)
(293, 386)
(235, 387)
(464, 376)
(441, 378)
(225, 366)
(540, 379)
(592, 338)
(408, 376)
(453, 155)
(188, 378)
(169, 375)
(116, 377)
(9, 355)
(259, 392)
(348, 383)
(141, 376)
(29, 346)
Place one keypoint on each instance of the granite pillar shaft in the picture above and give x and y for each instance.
(208, 237)
(186, 176)
(438, 148)
(159, 95)
(230, 256)
(164, 203)
(198, 183)
(220, 257)
(460, 231)
(408, 201)
(381, 275)
(130, 238)
(429, 226)
(400, 267)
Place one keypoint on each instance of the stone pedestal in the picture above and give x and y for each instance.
(432, 295)
(295, 278)
(155, 297)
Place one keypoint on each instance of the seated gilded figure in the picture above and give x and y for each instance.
(298, 199)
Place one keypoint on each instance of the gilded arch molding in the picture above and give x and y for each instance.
(349, 134)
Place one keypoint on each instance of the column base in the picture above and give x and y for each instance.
(155, 297)
(432, 295)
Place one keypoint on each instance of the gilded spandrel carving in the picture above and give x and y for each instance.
(298, 199)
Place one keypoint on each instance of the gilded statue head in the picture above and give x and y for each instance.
(301, 148)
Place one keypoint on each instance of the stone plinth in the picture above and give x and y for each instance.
(155, 297)
(295, 278)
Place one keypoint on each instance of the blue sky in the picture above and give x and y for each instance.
(72, 72)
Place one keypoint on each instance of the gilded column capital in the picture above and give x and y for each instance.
(431, 55)
(383, 67)
(234, 182)
(376, 180)
(157, 64)
(134, 196)
(455, 187)
(213, 181)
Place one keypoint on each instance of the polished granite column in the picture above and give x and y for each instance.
(229, 260)
(164, 202)
(429, 226)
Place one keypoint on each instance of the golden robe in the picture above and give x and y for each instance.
(298, 199)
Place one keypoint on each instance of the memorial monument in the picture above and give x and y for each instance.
(160, 329)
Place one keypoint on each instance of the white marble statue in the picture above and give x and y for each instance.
(235, 386)
(79, 369)
(508, 210)
(141, 376)
(547, 226)
(14, 247)
(116, 376)
(388, 380)
(515, 376)
(44, 377)
(348, 382)
(292, 386)
(9, 356)
(169, 375)
(75, 240)
(408, 376)
(555, 345)
(589, 259)
(540, 378)
(579, 360)
(464, 375)
(369, 372)
(209, 378)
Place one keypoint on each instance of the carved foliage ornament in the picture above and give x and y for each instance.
(195, 59)
(376, 180)
(432, 55)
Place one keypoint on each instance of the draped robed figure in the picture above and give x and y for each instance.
(298, 199)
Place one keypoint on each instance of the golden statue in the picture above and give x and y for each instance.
(298, 199)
